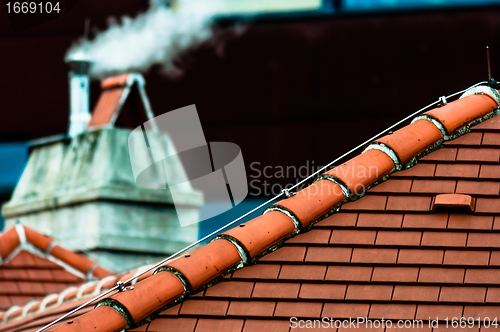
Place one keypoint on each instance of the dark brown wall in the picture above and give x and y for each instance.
(286, 91)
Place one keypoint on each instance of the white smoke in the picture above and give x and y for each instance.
(158, 36)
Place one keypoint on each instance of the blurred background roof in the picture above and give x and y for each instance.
(305, 77)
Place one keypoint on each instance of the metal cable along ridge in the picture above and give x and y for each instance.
(477, 88)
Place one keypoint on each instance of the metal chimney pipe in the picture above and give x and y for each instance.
(79, 83)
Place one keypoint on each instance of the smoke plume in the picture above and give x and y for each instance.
(158, 36)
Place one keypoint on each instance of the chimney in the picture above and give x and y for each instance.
(84, 191)
(79, 82)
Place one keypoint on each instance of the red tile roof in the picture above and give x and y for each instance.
(33, 269)
(34, 315)
(385, 255)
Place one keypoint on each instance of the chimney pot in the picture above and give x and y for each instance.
(79, 84)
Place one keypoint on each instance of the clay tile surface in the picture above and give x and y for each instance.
(385, 255)
(107, 105)
(31, 272)
(116, 93)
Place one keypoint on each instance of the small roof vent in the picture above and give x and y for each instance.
(453, 202)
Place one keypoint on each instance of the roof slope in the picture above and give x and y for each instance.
(34, 315)
(27, 276)
(32, 267)
(383, 255)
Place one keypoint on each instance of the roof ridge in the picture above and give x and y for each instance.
(20, 234)
(18, 237)
(244, 244)
(71, 293)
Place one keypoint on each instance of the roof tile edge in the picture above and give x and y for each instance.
(456, 117)
(15, 236)
(46, 245)
(72, 293)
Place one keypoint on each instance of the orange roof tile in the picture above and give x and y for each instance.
(35, 313)
(33, 269)
(115, 92)
(333, 253)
